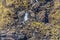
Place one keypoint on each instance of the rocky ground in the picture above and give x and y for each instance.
(32, 20)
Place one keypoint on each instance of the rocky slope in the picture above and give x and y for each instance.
(30, 20)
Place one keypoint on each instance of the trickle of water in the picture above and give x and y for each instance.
(36, 0)
(26, 16)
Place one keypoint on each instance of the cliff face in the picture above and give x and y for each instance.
(30, 19)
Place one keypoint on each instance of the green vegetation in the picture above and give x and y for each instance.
(4, 16)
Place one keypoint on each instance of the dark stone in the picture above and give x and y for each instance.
(3, 35)
(37, 9)
(48, 0)
(15, 17)
(46, 20)
(25, 38)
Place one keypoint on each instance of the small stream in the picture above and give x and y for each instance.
(26, 16)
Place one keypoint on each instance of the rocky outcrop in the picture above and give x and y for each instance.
(30, 20)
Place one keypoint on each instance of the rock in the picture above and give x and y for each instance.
(20, 13)
(32, 14)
